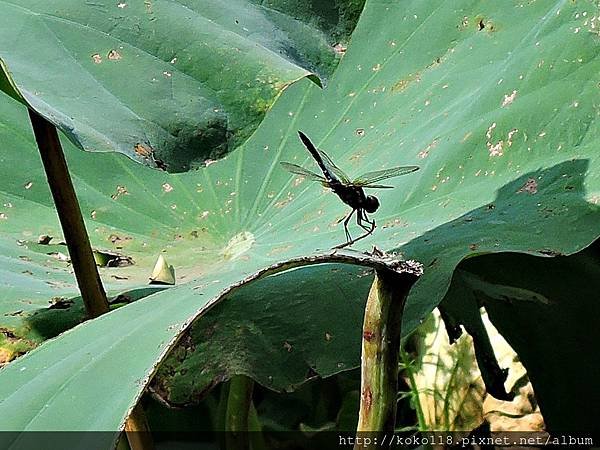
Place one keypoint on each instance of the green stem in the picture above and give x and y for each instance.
(414, 389)
(80, 250)
(221, 414)
(123, 443)
(257, 440)
(380, 353)
(239, 403)
(69, 215)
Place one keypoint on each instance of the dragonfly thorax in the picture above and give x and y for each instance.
(371, 204)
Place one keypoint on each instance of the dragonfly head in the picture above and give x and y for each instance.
(371, 204)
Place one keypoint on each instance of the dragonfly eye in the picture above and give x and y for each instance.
(371, 204)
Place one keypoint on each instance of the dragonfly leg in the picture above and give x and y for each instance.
(362, 216)
(346, 220)
(371, 222)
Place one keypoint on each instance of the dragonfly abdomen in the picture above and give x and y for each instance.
(315, 154)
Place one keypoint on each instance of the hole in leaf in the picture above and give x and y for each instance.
(111, 259)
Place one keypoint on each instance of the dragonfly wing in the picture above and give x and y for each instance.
(331, 166)
(379, 175)
(298, 170)
(376, 186)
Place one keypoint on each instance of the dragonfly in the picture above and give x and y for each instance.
(351, 192)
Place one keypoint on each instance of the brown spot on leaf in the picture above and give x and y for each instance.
(530, 187)
(285, 201)
(143, 150)
(402, 84)
(509, 98)
(114, 55)
(497, 149)
(339, 49)
(425, 152)
(96, 58)
(121, 190)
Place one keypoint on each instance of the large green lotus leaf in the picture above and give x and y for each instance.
(276, 320)
(497, 105)
(175, 82)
